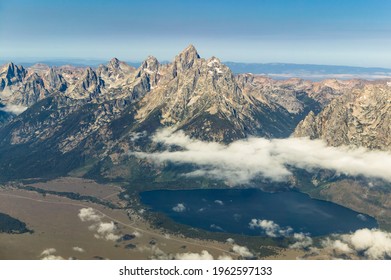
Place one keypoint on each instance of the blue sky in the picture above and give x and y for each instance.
(349, 32)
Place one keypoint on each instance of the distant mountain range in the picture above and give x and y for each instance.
(312, 72)
(56, 62)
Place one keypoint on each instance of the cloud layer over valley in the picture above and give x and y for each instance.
(244, 160)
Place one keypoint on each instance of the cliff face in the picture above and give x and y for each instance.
(361, 117)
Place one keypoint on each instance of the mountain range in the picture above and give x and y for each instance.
(59, 119)
(90, 122)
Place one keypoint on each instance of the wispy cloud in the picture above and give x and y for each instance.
(14, 109)
(219, 202)
(244, 160)
(216, 227)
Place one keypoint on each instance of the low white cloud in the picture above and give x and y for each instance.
(368, 243)
(230, 240)
(49, 254)
(204, 255)
(242, 251)
(302, 241)
(78, 249)
(180, 207)
(219, 202)
(270, 228)
(137, 234)
(375, 244)
(89, 214)
(49, 251)
(103, 230)
(243, 160)
(13, 109)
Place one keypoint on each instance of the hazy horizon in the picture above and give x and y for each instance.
(92, 61)
(274, 70)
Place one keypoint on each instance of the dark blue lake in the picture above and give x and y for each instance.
(231, 210)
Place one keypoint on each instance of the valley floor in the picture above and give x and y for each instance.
(77, 229)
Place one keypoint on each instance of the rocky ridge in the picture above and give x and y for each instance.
(191, 93)
(361, 118)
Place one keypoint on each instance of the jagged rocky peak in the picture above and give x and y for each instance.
(13, 70)
(213, 61)
(115, 73)
(120, 66)
(151, 64)
(216, 67)
(148, 74)
(186, 58)
(190, 52)
(30, 91)
(89, 72)
(308, 127)
(55, 81)
(90, 82)
(203, 98)
(12, 73)
(114, 63)
(90, 77)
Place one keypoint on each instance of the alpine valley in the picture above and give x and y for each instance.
(105, 126)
